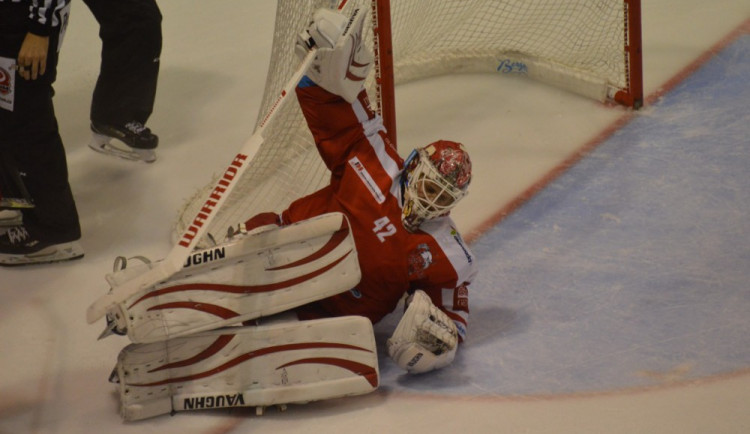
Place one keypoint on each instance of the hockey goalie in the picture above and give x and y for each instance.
(282, 310)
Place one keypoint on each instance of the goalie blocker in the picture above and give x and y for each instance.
(253, 366)
(251, 275)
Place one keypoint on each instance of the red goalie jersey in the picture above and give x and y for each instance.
(366, 186)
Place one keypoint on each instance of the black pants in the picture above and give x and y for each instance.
(29, 137)
(130, 31)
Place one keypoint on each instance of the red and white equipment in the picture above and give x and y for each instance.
(215, 197)
(210, 206)
(253, 366)
(591, 48)
(250, 276)
(437, 177)
(425, 338)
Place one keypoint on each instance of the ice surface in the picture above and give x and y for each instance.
(565, 337)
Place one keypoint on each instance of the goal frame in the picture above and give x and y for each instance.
(592, 62)
(631, 96)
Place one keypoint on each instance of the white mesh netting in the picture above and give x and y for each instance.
(576, 44)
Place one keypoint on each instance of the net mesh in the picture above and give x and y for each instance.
(576, 44)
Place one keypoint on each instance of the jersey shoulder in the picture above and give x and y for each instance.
(447, 236)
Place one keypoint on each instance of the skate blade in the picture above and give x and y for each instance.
(111, 328)
(12, 203)
(57, 253)
(114, 377)
(104, 145)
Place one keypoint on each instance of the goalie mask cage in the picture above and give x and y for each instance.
(590, 47)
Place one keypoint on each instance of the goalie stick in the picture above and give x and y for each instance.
(195, 231)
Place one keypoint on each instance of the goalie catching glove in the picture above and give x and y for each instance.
(342, 61)
(425, 338)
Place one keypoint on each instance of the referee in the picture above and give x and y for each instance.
(31, 32)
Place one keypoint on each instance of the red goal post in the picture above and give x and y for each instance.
(589, 47)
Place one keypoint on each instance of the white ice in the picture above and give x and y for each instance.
(53, 371)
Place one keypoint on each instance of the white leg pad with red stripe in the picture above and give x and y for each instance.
(251, 366)
(252, 275)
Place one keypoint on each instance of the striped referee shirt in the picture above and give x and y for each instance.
(44, 14)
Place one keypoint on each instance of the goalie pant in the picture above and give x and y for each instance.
(366, 186)
(30, 141)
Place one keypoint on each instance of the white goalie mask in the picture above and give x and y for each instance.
(435, 178)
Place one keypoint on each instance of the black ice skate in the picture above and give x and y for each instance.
(133, 141)
(20, 247)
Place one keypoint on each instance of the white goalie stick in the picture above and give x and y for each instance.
(197, 229)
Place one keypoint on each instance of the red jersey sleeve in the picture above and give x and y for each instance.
(338, 126)
(442, 265)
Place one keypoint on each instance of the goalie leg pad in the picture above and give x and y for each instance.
(253, 366)
(252, 275)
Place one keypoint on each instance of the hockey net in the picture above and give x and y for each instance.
(590, 47)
